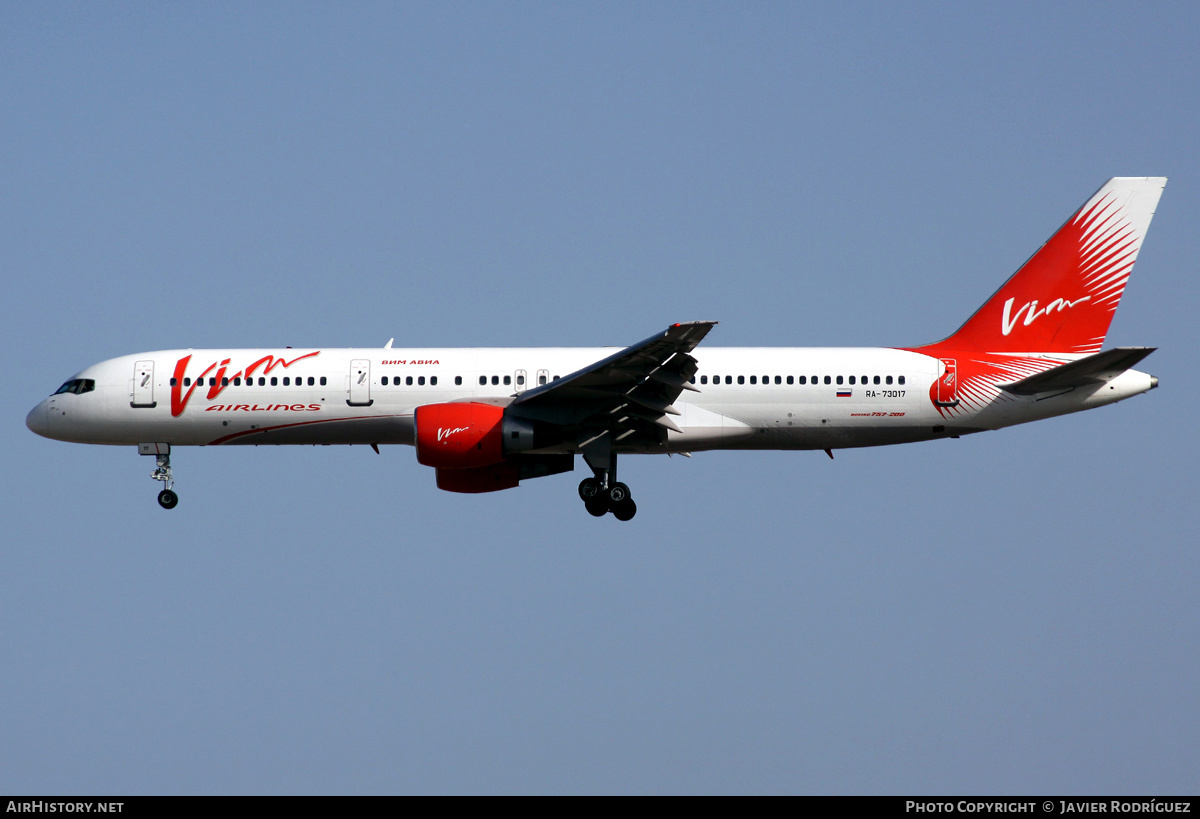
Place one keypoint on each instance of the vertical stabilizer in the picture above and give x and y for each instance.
(1062, 300)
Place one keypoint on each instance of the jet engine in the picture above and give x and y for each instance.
(468, 435)
(477, 447)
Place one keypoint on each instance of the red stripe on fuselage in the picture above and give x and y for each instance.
(227, 438)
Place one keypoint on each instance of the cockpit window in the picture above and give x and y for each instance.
(78, 386)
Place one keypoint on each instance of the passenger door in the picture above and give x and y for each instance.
(143, 385)
(360, 383)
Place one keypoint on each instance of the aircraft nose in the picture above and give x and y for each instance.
(38, 420)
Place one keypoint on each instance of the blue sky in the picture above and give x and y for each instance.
(1012, 612)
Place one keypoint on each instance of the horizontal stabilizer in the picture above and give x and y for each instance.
(1093, 369)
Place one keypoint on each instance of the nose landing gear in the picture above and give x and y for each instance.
(167, 498)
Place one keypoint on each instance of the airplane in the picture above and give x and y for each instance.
(486, 419)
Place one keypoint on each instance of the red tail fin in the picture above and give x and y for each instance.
(1062, 300)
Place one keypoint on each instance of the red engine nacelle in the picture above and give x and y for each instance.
(468, 444)
(459, 436)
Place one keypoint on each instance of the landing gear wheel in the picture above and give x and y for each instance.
(626, 510)
(167, 499)
(618, 494)
(588, 489)
(597, 506)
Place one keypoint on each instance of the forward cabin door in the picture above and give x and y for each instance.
(360, 383)
(143, 385)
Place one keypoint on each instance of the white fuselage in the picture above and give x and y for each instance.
(745, 398)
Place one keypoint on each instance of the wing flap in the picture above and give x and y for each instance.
(631, 391)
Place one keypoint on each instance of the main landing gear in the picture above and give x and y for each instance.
(167, 498)
(600, 500)
(603, 493)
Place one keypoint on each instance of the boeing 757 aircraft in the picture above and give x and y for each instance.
(486, 419)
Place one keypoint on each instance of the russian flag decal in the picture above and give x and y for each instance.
(844, 393)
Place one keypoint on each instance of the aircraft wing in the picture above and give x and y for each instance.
(630, 393)
(1093, 369)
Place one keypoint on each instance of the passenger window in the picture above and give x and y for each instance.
(741, 379)
(384, 381)
(187, 382)
(483, 380)
(900, 380)
(802, 380)
(839, 379)
(778, 380)
(287, 382)
(877, 379)
(433, 380)
(754, 379)
(408, 381)
(541, 379)
(224, 382)
(888, 379)
(828, 380)
(458, 380)
(420, 381)
(274, 381)
(851, 380)
(520, 381)
(507, 380)
(322, 381)
(312, 382)
(792, 378)
(495, 380)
